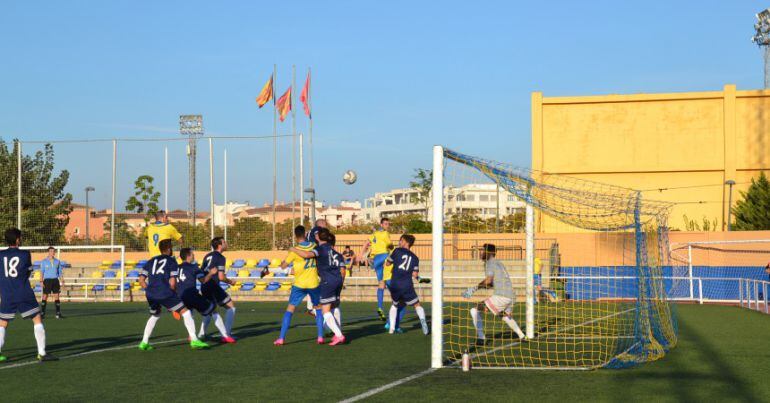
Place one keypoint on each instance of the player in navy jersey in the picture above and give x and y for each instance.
(16, 295)
(406, 267)
(311, 237)
(214, 261)
(188, 274)
(158, 278)
(338, 257)
(331, 279)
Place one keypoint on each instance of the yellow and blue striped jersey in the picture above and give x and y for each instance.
(380, 242)
(157, 232)
(305, 272)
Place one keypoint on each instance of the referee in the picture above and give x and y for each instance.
(52, 281)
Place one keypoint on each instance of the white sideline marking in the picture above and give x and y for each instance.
(25, 363)
(391, 385)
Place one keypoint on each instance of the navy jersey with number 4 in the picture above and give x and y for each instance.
(328, 263)
(404, 264)
(213, 260)
(159, 271)
(187, 275)
(15, 268)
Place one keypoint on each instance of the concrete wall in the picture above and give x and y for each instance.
(687, 144)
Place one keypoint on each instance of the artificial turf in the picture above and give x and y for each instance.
(722, 356)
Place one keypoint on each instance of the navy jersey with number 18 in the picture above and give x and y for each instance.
(15, 268)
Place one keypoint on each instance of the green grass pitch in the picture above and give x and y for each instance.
(723, 355)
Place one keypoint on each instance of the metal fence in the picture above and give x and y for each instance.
(101, 192)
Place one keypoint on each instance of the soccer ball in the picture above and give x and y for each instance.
(349, 177)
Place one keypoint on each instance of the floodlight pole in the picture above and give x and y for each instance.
(762, 39)
(191, 126)
(18, 184)
(311, 191)
(211, 184)
(88, 235)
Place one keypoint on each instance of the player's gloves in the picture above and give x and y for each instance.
(423, 280)
(469, 292)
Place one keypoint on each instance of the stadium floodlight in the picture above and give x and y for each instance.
(762, 39)
(730, 202)
(88, 237)
(311, 192)
(191, 126)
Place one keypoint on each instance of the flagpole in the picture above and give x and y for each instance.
(275, 151)
(301, 182)
(310, 141)
(293, 149)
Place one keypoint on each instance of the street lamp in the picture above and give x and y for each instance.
(191, 126)
(762, 39)
(730, 203)
(88, 236)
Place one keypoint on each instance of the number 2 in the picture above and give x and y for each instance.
(407, 262)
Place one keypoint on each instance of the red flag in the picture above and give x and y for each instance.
(304, 97)
(266, 94)
(284, 104)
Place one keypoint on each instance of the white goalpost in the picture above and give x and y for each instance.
(88, 257)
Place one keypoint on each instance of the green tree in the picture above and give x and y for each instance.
(145, 198)
(753, 212)
(45, 205)
(423, 183)
(124, 235)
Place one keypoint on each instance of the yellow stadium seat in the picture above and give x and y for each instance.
(275, 263)
(269, 275)
(130, 263)
(286, 286)
(111, 287)
(106, 263)
(38, 275)
(97, 274)
(251, 262)
(243, 273)
(85, 288)
(235, 287)
(228, 262)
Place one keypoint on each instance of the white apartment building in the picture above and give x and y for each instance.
(481, 199)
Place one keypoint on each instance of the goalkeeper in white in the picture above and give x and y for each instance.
(501, 301)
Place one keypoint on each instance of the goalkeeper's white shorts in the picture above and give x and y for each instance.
(497, 304)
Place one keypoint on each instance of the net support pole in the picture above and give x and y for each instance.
(18, 184)
(211, 185)
(114, 184)
(122, 273)
(224, 193)
(437, 259)
(165, 179)
(689, 268)
(530, 267)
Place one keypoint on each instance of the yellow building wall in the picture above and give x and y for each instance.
(678, 147)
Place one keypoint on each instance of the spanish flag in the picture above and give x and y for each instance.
(284, 104)
(304, 96)
(266, 94)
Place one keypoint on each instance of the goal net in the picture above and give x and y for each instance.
(723, 271)
(89, 272)
(585, 263)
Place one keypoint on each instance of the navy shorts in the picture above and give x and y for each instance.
(215, 294)
(192, 299)
(405, 295)
(329, 291)
(172, 303)
(28, 308)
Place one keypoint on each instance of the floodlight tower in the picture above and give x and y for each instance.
(762, 39)
(191, 126)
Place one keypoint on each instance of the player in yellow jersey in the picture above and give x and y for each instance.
(378, 246)
(160, 230)
(306, 283)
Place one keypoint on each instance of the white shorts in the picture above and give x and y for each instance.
(497, 304)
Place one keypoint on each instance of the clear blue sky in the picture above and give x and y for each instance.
(390, 78)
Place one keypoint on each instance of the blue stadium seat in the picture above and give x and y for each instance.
(255, 273)
(133, 273)
(232, 273)
(263, 263)
(98, 287)
(281, 275)
(238, 263)
(38, 288)
(109, 274)
(126, 286)
(273, 286)
(224, 286)
(247, 286)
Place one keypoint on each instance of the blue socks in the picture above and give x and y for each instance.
(319, 322)
(285, 324)
(380, 297)
(400, 316)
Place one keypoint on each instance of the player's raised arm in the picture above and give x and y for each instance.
(305, 254)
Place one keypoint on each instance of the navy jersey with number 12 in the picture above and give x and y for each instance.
(158, 271)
